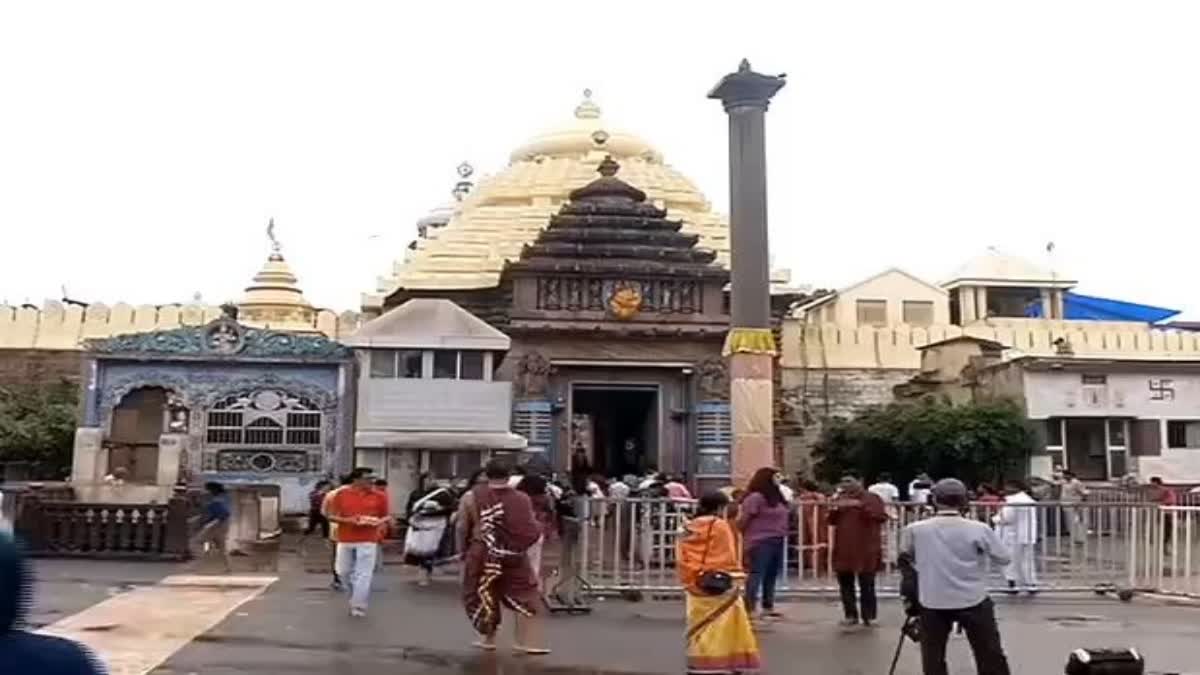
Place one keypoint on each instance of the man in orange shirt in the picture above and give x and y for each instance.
(359, 511)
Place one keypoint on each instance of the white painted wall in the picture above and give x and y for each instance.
(1174, 466)
(1062, 394)
(433, 405)
(893, 286)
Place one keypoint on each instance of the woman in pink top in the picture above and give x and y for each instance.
(763, 520)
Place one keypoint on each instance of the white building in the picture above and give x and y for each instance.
(427, 402)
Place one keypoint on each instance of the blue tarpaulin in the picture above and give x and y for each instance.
(1089, 308)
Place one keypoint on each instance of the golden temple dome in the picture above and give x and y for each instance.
(273, 298)
(508, 209)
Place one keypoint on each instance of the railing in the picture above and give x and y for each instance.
(1094, 547)
(1179, 569)
(77, 529)
(13, 496)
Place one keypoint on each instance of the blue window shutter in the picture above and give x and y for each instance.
(534, 420)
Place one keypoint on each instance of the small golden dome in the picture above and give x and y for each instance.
(273, 297)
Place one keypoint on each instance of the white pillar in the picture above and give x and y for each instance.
(966, 304)
(1047, 304)
(981, 309)
(170, 451)
(1059, 309)
(89, 459)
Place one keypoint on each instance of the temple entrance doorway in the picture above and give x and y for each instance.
(616, 427)
(137, 423)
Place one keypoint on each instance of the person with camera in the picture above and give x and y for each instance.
(720, 638)
(950, 555)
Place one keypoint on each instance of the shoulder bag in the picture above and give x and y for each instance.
(712, 582)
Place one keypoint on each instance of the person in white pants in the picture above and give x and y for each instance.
(1017, 525)
(360, 512)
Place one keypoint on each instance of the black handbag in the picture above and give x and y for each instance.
(712, 582)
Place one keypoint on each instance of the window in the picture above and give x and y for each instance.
(872, 312)
(1054, 443)
(1116, 433)
(470, 366)
(383, 363)
(460, 464)
(1054, 433)
(264, 417)
(1183, 434)
(408, 363)
(445, 365)
(714, 436)
(535, 421)
(917, 312)
(390, 363)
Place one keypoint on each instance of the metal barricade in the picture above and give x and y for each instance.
(629, 545)
(1179, 566)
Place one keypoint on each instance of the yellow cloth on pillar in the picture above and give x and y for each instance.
(749, 341)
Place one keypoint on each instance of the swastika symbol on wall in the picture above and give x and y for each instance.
(1162, 390)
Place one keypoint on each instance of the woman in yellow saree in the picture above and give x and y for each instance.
(719, 636)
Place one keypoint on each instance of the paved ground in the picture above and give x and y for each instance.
(298, 626)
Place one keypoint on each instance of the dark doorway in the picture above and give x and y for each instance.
(1086, 446)
(616, 427)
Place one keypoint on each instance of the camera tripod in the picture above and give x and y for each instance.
(911, 630)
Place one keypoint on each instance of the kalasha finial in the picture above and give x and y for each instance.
(744, 66)
(275, 248)
(609, 167)
(587, 109)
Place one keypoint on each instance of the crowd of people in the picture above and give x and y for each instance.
(729, 556)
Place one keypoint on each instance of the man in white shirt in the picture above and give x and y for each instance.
(918, 489)
(1017, 524)
(885, 489)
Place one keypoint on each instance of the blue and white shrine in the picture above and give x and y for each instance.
(223, 401)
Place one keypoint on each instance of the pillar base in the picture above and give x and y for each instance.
(751, 402)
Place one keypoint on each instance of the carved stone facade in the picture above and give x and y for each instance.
(255, 405)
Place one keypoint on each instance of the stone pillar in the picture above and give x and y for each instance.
(171, 449)
(89, 458)
(1047, 304)
(750, 345)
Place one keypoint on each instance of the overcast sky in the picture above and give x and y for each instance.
(144, 145)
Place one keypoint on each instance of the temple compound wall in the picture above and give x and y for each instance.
(65, 326)
(40, 366)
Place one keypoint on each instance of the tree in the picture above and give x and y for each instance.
(37, 425)
(976, 442)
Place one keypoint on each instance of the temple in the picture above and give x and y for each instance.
(616, 317)
(576, 306)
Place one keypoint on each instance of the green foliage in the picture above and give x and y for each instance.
(37, 424)
(978, 442)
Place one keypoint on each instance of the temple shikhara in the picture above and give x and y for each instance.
(577, 306)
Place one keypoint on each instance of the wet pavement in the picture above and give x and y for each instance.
(65, 587)
(299, 626)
